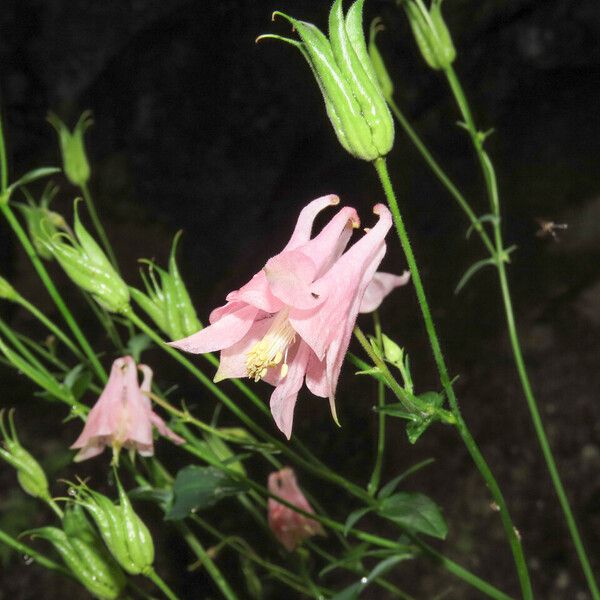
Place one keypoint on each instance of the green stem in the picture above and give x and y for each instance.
(51, 326)
(37, 263)
(16, 342)
(160, 584)
(456, 569)
(54, 294)
(441, 175)
(376, 474)
(207, 562)
(492, 191)
(55, 507)
(98, 226)
(25, 550)
(465, 434)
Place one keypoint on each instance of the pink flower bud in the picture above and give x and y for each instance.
(290, 527)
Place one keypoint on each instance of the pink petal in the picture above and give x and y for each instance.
(164, 430)
(256, 292)
(379, 287)
(331, 241)
(290, 275)
(306, 219)
(223, 333)
(283, 398)
(316, 377)
(343, 286)
(232, 362)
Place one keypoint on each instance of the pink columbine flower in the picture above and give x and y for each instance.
(123, 416)
(290, 528)
(292, 322)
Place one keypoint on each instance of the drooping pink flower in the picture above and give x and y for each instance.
(290, 528)
(292, 322)
(122, 416)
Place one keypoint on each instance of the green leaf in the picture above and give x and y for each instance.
(415, 512)
(77, 380)
(472, 270)
(354, 517)
(137, 344)
(391, 486)
(161, 497)
(33, 176)
(200, 487)
(353, 591)
(392, 352)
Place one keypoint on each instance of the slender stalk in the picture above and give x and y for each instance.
(89, 202)
(55, 507)
(441, 174)
(160, 584)
(25, 550)
(457, 570)
(207, 562)
(375, 479)
(473, 449)
(16, 342)
(492, 191)
(54, 294)
(37, 263)
(50, 325)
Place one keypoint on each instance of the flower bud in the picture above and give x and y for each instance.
(75, 162)
(86, 264)
(341, 65)
(7, 291)
(42, 223)
(123, 532)
(168, 303)
(29, 473)
(96, 571)
(431, 33)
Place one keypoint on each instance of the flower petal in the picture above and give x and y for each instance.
(232, 362)
(316, 376)
(257, 293)
(290, 275)
(325, 248)
(165, 431)
(223, 333)
(343, 287)
(306, 219)
(283, 398)
(379, 287)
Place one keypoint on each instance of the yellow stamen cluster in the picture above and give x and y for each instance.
(272, 349)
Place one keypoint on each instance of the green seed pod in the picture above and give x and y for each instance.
(151, 308)
(96, 571)
(75, 162)
(431, 33)
(86, 264)
(108, 520)
(30, 474)
(341, 66)
(350, 51)
(123, 532)
(187, 313)
(383, 77)
(138, 538)
(172, 316)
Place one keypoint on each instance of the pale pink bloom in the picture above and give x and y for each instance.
(290, 528)
(122, 417)
(292, 322)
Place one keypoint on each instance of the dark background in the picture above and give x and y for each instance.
(196, 127)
